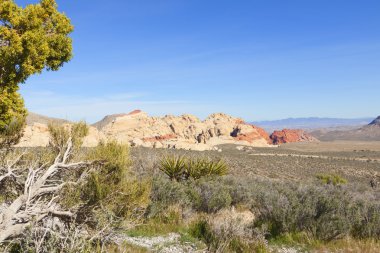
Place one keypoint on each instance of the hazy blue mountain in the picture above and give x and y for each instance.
(369, 132)
(313, 123)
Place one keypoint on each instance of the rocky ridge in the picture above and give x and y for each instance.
(183, 132)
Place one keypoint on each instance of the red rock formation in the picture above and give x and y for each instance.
(250, 133)
(291, 135)
(249, 137)
(160, 138)
(263, 134)
(134, 112)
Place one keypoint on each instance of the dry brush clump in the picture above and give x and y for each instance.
(36, 194)
(229, 230)
(66, 199)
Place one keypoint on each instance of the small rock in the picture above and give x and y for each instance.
(137, 142)
(158, 145)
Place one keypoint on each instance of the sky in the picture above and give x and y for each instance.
(255, 59)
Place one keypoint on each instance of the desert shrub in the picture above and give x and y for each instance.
(318, 212)
(366, 220)
(60, 134)
(326, 213)
(110, 188)
(205, 195)
(202, 230)
(167, 193)
(11, 133)
(113, 186)
(331, 179)
(209, 195)
(168, 221)
(226, 236)
(182, 168)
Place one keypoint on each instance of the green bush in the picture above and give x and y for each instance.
(11, 134)
(60, 134)
(204, 195)
(167, 192)
(211, 195)
(201, 230)
(12, 116)
(111, 186)
(331, 179)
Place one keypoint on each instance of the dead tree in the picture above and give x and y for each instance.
(39, 197)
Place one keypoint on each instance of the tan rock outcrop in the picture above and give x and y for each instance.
(184, 132)
(35, 135)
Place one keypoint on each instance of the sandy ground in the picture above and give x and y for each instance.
(333, 146)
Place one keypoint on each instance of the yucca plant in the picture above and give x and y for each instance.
(201, 167)
(214, 168)
(219, 168)
(182, 168)
(174, 167)
(196, 168)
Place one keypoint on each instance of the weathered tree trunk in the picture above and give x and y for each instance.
(33, 205)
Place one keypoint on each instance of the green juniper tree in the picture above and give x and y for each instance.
(32, 39)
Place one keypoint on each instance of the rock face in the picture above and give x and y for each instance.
(184, 132)
(291, 135)
(37, 135)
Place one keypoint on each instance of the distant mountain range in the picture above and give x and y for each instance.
(368, 132)
(314, 123)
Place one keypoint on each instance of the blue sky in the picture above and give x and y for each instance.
(254, 59)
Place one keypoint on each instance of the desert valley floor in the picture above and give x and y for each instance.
(358, 162)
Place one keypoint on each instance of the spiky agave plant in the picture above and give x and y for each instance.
(173, 166)
(195, 168)
(201, 167)
(216, 168)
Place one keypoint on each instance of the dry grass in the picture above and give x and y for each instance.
(350, 246)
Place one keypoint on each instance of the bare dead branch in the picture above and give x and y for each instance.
(33, 205)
